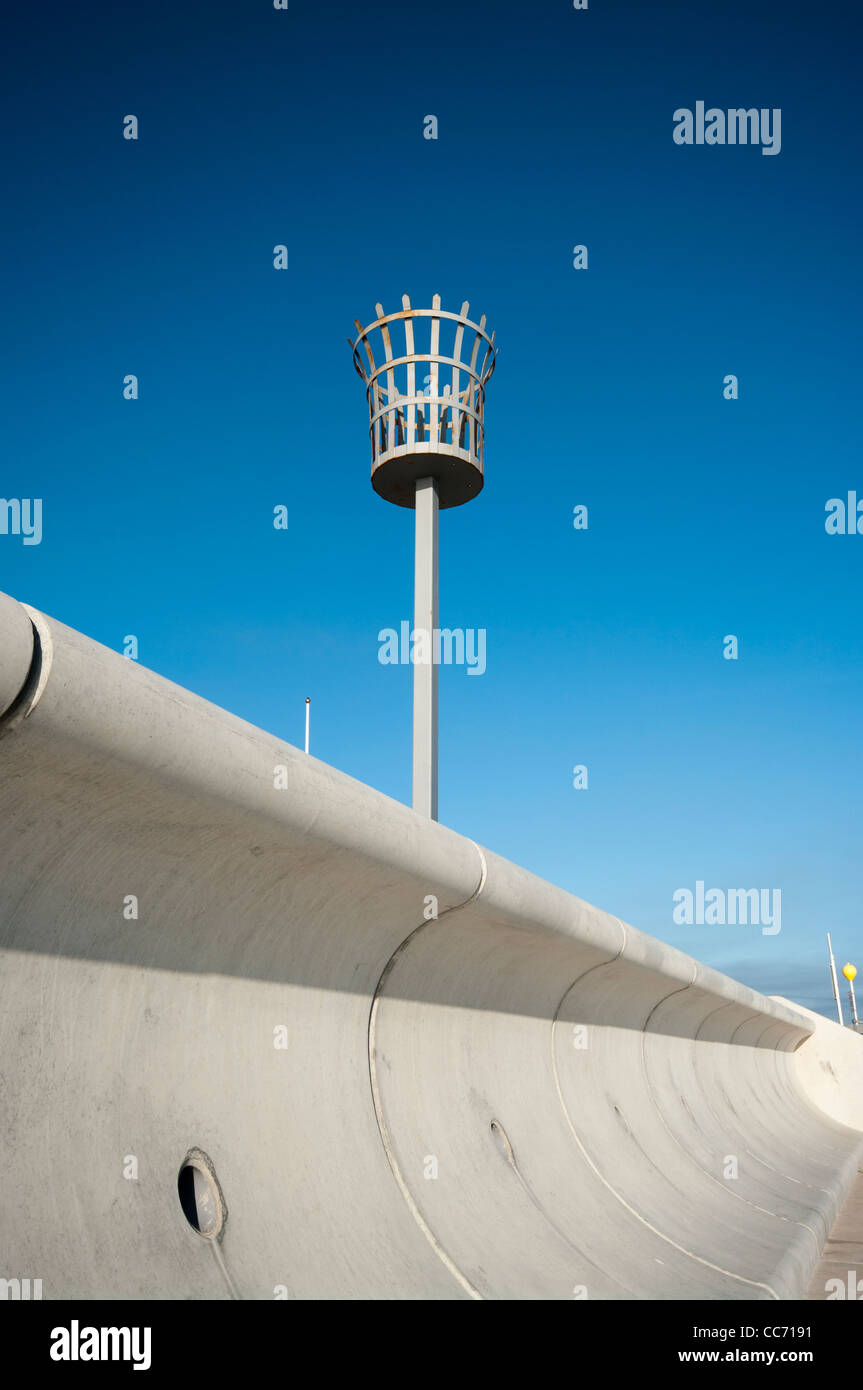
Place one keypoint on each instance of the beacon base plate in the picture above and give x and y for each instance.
(457, 477)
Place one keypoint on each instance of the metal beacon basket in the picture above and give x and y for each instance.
(426, 400)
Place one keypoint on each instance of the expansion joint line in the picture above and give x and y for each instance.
(618, 1196)
(386, 1138)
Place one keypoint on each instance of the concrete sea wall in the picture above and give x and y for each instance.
(520, 1097)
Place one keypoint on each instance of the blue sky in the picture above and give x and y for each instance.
(706, 516)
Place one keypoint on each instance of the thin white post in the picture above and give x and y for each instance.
(835, 980)
(308, 703)
(425, 670)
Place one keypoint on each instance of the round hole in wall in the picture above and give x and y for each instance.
(201, 1196)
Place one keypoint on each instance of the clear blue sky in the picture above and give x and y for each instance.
(305, 127)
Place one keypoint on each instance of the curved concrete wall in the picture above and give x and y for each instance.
(520, 1098)
(17, 654)
(830, 1066)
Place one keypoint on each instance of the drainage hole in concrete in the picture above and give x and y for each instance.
(200, 1198)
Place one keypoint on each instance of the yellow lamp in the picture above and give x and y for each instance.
(849, 971)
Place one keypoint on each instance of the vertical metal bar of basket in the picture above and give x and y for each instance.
(392, 409)
(411, 427)
(425, 712)
(371, 389)
(485, 373)
(434, 390)
(475, 398)
(456, 377)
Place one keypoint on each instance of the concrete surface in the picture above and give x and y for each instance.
(830, 1067)
(520, 1098)
(839, 1275)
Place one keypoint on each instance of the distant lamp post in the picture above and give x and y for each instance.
(426, 406)
(835, 980)
(850, 972)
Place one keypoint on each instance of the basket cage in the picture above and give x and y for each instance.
(425, 372)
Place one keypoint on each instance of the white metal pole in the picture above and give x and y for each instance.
(835, 980)
(425, 670)
(308, 703)
(854, 1018)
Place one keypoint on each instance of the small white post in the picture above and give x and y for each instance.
(308, 703)
(835, 981)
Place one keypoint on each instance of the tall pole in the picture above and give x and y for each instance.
(835, 981)
(850, 971)
(425, 671)
(428, 453)
(308, 705)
